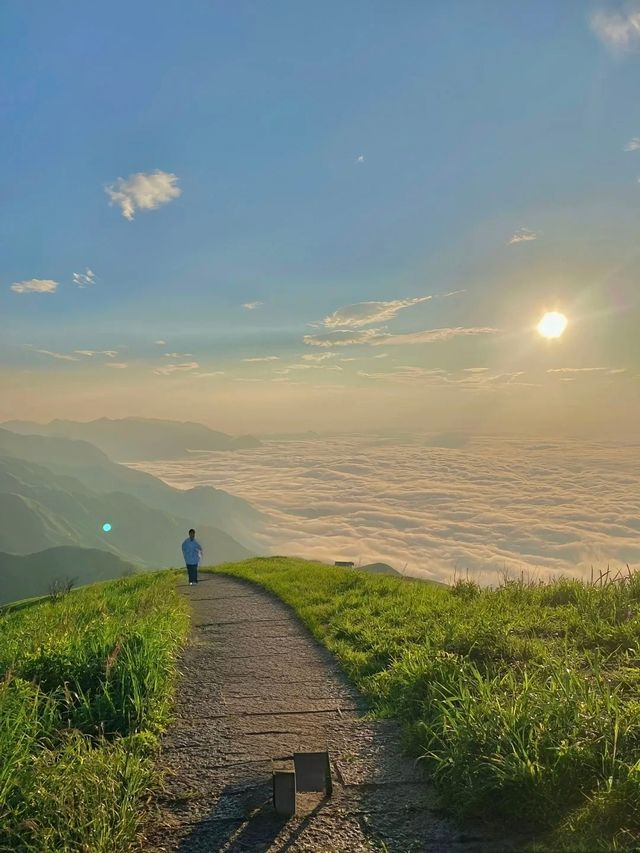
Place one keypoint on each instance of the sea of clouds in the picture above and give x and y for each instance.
(437, 506)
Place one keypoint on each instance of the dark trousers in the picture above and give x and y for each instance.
(193, 573)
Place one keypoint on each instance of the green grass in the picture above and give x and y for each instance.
(85, 687)
(523, 701)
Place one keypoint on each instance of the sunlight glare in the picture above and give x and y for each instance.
(552, 324)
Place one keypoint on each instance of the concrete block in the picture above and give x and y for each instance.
(284, 792)
(313, 772)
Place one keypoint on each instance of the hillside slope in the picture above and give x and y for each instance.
(138, 439)
(93, 468)
(32, 574)
(41, 509)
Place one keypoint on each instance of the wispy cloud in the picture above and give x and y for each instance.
(118, 365)
(342, 338)
(318, 356)
(209, 373)
(633, 144)
(61, 356)
(360, 158)
(523, 235)
(84, 279)
(89, 353)
(380, 337)
(251, 306)
(429, 336)
(587, 370)
(168, 369)
(263, 358)
(178, 354)
(620, 31)
(143, 191)
(160, 343)
(367, 313)
(35, 285)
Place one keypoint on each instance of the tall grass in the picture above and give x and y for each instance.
(523, 701)
(85, 687)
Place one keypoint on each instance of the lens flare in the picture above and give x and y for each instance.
(106, 527)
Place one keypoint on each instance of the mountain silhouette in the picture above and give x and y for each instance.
(93, 468)
(138, 439)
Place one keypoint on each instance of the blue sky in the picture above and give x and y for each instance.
(312, 157)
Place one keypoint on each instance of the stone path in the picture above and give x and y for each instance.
(255, 686)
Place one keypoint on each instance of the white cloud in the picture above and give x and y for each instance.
(251, 306)
(263, 358)
(366, 313)
(619, 31)
(475, 369)
(160, 343)
(168, 369)
(118, 365)
(35, 285)
(89, 353)
(523, 235)
(360, 158)
(178, 354)
(209, 373)
(633, 144)
(83, 279)
(143, 191)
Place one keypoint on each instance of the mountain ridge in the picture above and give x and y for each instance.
(138, 439)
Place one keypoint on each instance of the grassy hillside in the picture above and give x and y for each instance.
(135, 439)
(32, 574)
(85, 686)
(523, 701)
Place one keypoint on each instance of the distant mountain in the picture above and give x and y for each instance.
(379, 569)
(41, 509)
(32, 574)
(309, 435)
(91, 467)
(138, 439)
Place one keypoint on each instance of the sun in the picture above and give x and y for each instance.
(552, 324)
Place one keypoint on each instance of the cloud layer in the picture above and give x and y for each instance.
(143, 191)
(438, 506)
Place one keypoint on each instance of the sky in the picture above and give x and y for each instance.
(291, 215)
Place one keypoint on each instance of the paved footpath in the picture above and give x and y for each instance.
(256, 686)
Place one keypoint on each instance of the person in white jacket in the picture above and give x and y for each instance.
(192, 553)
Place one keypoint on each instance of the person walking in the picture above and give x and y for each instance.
(192, 553)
